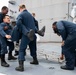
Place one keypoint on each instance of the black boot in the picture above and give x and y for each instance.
(16, 53)
(66, 68)
(30, 35)
(3, 62)
(20, 67)
(10, 57)
(35, 61)
(41, 32)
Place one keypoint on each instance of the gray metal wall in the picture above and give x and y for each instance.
(47, 11)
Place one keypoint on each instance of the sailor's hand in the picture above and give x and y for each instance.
(62, 57)
(62, 43)
(8, 36)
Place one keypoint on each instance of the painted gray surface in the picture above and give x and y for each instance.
(45, 67)
(47, 11)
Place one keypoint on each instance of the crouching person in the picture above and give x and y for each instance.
(5, 31)
(67, 31)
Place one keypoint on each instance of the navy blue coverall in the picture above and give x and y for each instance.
(3, 41)
(1, 20)
(1, 17)
(36, 23)
(67, 30)
(25, 22)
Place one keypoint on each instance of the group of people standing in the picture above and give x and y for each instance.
(25, 29)
(5, 30)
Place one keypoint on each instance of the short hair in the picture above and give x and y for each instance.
(54, 23)
(4, 8)
(22, 6)
(5, 16)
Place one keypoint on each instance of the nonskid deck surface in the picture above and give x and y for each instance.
(48, 54)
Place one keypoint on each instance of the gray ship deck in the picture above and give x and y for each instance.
(48, 54)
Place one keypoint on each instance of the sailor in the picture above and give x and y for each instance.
(5, 35)
(67, 31)
(38, 32)
(3, 12)
(37, 26)
(26, 26)
(36, 22)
